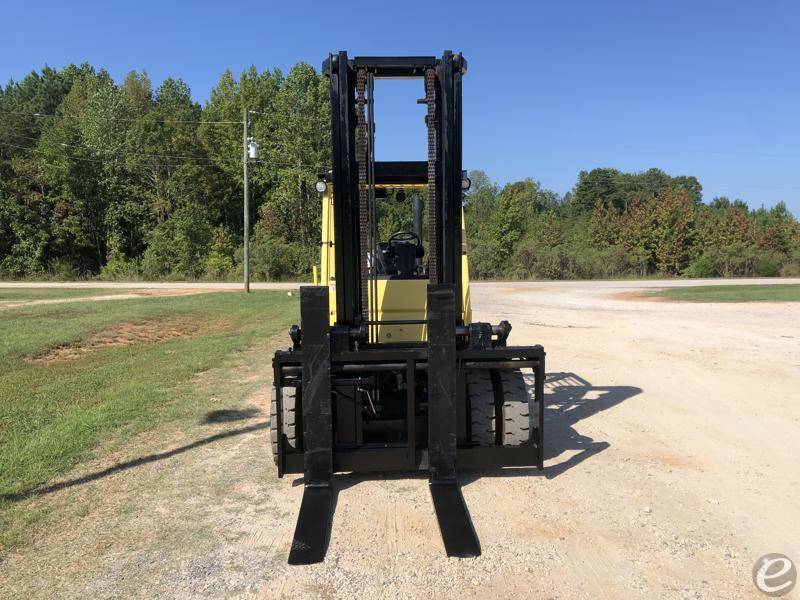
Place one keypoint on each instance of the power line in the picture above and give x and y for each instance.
(701, 151)
(45, 156)
(28, 149)
(171, 163)
(754, 187)
(180, 156)
(112, 118)
(175, 156)
(674, 150)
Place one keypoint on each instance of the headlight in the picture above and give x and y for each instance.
(321, 186)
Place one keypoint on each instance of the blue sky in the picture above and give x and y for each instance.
(710, 89)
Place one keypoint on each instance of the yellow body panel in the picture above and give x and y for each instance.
(398, 299)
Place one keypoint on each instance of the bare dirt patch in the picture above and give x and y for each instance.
(145, 293)
(128, 334)
(639, 295)
(518, 290)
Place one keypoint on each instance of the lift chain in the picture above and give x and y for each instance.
(430, 98)
(363, 209)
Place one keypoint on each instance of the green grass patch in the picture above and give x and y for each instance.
(72, 376)
(23, 294)
(734, 293)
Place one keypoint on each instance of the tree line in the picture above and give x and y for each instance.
(614, 224)
(128, 181)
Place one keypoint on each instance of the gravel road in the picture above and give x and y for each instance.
(672, 445)
(287, 285)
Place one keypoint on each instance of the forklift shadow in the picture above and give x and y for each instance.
(569, 399)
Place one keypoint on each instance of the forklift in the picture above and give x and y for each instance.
(387, 370)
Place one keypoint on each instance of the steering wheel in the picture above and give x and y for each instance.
(405, 236)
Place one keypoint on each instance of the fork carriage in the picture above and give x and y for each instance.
(397, 440)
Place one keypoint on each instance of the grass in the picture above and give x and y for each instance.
(23, 294)
(73, 377)
(734, 293)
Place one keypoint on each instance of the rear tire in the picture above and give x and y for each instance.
(485, 388)
(289, 419)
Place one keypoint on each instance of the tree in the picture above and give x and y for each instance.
(482, 194)
(661, 229)
(300, 149)
(618, 190)
(597, 185)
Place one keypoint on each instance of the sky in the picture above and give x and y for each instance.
(703, 88)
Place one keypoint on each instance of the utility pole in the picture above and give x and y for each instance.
(245, 152)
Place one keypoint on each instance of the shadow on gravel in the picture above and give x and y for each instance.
(137, 462)
(569, 398)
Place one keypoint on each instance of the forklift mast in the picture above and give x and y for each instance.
(355, 171)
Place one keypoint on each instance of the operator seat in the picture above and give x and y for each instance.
(398, 259)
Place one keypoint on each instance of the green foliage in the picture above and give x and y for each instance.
(791, 266)
(177, 247)
(121, 269)
(134, 181)
(737, 261)
(124, 181)
(566, 261)
(273, 259)
(220, 261)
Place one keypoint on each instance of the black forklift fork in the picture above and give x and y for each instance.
(456, 528)
(314, 520)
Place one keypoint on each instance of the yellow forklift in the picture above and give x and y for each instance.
(387, 370)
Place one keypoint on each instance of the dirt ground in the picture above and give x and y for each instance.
(137, 293)
(672, 444)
